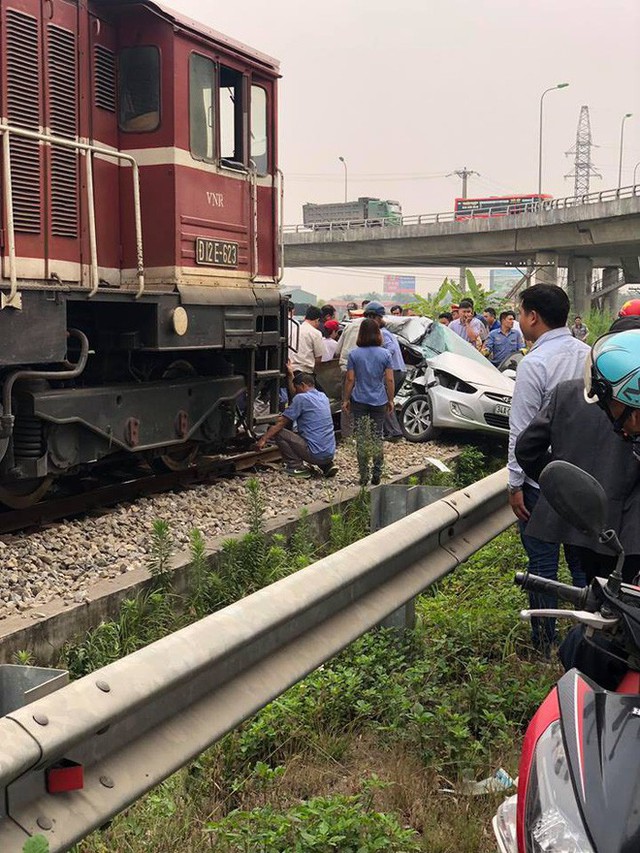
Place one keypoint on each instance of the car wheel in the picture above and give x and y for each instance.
(416, 419)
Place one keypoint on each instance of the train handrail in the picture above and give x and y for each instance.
(89, 150)
(463, 216)
(280, 224)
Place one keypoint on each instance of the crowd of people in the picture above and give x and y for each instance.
(550, 416)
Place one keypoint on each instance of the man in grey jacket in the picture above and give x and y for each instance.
(569, 428)
(572, 430)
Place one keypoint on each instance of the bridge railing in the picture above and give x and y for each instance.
(136, 721)
(487, 213)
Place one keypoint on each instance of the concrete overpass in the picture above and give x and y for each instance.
(600, 230)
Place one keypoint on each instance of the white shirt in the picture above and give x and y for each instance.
(555, 357)
(348, 341)
(309, 348)
(330, 346)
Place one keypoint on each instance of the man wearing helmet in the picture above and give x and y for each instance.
(631, 308)
(570, 429)
(613, 382)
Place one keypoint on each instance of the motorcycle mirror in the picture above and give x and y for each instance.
(575, 495)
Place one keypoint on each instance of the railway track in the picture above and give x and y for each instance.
(206, 470)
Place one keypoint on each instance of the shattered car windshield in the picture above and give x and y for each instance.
(438, 339)
(433, 338)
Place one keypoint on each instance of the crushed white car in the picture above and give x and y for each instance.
(449, 384)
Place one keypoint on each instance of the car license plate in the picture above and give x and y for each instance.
(503, 410)
(216, 253)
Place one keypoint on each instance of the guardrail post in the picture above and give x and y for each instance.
(388, 505)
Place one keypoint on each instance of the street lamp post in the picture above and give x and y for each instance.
(550, 89)
(635, 169)
(624, 118)
(344, 163)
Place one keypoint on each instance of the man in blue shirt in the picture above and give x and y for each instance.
(504, 340)
(315, 441)
(376, 311)
(489, 316)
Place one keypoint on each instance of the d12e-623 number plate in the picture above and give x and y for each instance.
(216, 253)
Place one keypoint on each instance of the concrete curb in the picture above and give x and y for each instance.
(45, 630)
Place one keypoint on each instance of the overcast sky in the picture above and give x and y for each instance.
(409, 91)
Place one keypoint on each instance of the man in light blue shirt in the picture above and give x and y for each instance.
(555, 356)
(468, 327)
(505, 340)
(315, 440)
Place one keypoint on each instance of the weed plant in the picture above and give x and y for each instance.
(428, 708)
(159, 562)
(36, 844)
(349, 824)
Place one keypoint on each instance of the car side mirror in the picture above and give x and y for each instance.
(575, 495)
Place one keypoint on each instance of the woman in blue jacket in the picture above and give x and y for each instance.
(368, 395)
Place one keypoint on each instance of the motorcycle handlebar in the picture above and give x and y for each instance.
(578, 596)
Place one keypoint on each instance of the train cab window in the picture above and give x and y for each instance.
(139, 89)
(201, 107)
(259, 125)
(232, 118)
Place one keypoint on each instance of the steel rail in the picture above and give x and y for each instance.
(203, 471)
(452, 216)
(136, 721)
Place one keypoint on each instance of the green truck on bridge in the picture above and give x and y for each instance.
(364, 211)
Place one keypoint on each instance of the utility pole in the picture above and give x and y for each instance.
(464, 174)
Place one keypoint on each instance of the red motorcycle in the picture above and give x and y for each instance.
(579, 783)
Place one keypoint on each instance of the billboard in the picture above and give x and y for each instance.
(501, 281)
(400, 284)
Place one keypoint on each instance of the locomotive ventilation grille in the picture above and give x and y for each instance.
(105, 79)
(23, 110)
(63, 122)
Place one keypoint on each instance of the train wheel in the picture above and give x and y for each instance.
(176, 458)
(25, 493)
(181, 457)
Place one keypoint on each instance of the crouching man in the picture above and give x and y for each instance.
(315, 441)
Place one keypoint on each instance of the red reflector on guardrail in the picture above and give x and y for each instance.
(66, 775)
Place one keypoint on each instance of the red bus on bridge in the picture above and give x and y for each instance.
(472, 208)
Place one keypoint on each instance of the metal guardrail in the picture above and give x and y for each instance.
(452, 216)
(136, 721)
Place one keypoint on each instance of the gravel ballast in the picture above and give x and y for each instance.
(63, 560)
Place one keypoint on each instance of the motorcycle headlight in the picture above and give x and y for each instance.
(504, 825)
(553, 823)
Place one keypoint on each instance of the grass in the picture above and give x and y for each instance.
(379, 739)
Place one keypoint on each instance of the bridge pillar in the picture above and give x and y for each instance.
(579, 284)
(610, 276)
(548, 272)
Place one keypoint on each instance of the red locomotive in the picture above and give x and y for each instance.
(140, 237)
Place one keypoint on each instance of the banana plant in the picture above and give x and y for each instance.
(450, 291)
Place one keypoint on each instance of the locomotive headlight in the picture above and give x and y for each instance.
(180, 320)
(553, 823)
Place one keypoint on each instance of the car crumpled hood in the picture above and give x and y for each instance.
(486, 376)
